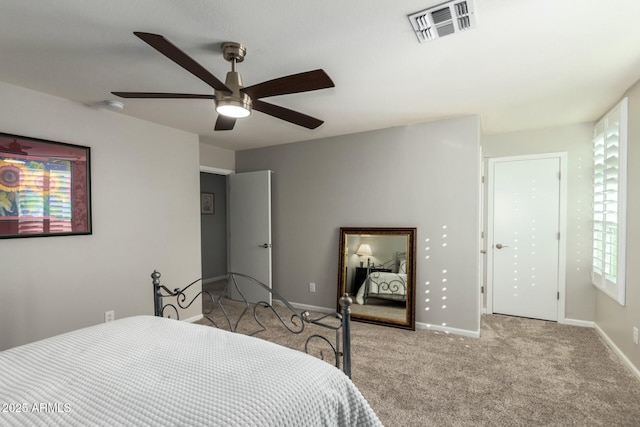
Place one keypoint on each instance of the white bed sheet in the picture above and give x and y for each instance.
(147, 370)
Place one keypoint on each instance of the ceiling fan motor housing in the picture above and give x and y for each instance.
(235, 100)
(232, 51)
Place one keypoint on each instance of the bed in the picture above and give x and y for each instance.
(385, 283)
(152, 370)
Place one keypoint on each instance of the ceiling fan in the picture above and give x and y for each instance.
(232, 99)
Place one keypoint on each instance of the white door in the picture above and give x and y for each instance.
(250, 232)
(524, 205)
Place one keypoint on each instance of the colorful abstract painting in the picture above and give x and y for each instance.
(44, 187)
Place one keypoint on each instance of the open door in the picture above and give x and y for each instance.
(250, 232)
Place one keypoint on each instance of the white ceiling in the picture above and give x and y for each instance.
(528, 64)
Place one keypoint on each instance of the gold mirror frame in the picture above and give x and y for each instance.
(347, 271)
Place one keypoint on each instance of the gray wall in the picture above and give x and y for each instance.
(216, 157)
(145, 214)
(615, 320)
(425, 176)
(213, 228)
(575, 140)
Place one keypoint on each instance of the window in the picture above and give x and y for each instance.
(609, 202)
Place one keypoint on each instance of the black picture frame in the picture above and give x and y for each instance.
(45, 188)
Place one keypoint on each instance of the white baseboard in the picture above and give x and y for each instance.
(616, 349)
(576, 322)
(448, 330)
(213, 279)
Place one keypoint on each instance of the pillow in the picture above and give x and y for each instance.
(402, 269)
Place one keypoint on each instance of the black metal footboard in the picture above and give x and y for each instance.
(384, 286)
(341, 324)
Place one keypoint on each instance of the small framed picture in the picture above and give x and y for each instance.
(207, 203)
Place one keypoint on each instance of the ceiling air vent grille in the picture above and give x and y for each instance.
(447, 18)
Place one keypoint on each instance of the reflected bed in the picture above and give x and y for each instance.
(384, 284)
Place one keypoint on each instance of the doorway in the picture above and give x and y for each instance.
(248, 212)
(526, 223)
(213, 227)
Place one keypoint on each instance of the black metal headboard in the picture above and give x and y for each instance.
(341, 348)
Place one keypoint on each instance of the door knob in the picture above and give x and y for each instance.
(500, 246)
(265, 245)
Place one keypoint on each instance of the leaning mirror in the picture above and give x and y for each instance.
(377, 269)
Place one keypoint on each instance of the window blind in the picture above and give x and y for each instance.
(609, 202)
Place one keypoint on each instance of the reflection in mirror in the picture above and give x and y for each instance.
(377, 269)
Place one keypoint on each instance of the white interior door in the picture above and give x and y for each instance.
(250, 232)
(525, 220)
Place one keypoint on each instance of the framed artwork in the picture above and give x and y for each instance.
(45, 188)
(207, 203)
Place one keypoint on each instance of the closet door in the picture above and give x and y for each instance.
(525, 215)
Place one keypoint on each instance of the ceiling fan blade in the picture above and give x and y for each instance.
(169, 50)
(287, 115)
(224, 122)
(162, 95)
(302, 82)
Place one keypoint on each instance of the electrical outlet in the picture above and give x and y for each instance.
(109, 316)
(312, 287)
(635, 335)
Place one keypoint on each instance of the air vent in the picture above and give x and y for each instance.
(443, 20)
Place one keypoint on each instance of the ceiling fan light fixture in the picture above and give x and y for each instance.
(236, 107)
(234, 111)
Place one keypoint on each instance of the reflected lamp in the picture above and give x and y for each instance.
(364, 250)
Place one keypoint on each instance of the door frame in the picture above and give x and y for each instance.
(216, 171)
(562, 222)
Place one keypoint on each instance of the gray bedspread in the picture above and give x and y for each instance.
(147, 370)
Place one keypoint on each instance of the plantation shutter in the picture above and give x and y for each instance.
(609, 202)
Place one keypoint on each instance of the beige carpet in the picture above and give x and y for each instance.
(521, 372)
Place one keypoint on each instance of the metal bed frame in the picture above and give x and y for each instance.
(394, 290)
(341, 349)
